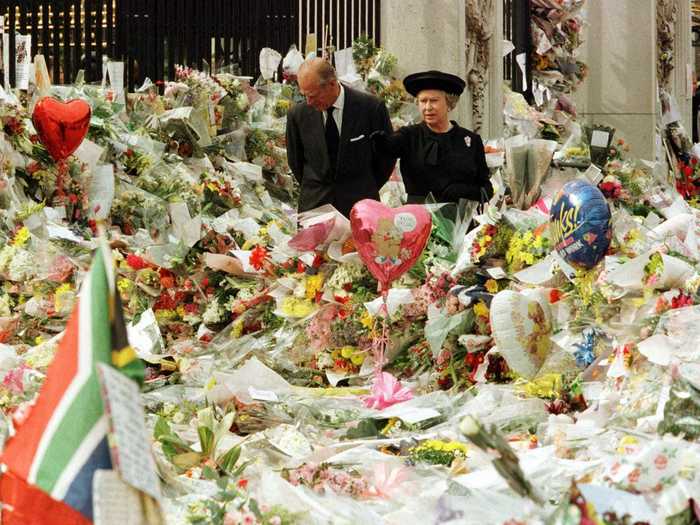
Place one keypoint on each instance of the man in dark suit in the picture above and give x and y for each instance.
(328, 141)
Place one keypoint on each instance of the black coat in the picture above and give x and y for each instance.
(360, 172)
(451, 165)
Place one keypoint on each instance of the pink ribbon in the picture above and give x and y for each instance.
(387, 391)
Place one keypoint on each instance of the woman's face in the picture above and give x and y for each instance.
(432, 104)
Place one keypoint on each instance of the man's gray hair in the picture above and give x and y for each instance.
(323, 69)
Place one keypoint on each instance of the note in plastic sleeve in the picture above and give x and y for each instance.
(186, 229)
(89, 153)
(262, 395)
(269, 62)
(594, 173)
(114, 502)
(496, 273)
(101, 192)
(23, 58)
(145, 337)
(131, 444)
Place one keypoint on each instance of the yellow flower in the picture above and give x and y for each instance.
(481, 310)
(491, 286)
(124, 285)
(627, 444)
(390, 425)
(210, 384)
(62, 297)
(165, 315)
(314, 283)
(487, 238)
(547, 386)
(358, 358)
(38, 340)
(456, 447)
(347, 352)
(293, 307)
(237, 329)
(367, 320)
(21, 237)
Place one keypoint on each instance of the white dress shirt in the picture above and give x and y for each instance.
(338, 111)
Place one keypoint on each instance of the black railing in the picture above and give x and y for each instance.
(338, 22)
(152, 36)
(517, 28)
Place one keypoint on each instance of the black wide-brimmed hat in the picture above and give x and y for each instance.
(446, 82)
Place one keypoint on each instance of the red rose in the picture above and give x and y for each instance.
(693, 161)
(242, 483)
(688, 171)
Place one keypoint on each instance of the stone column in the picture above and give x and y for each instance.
(684, 65)
(621, 88)
(493, 105)
(427, 35)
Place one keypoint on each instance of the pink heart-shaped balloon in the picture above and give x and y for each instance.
(61, 126)
(389, 240)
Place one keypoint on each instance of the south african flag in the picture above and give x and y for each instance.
(56, 451)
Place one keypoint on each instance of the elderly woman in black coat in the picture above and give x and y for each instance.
(438, 156)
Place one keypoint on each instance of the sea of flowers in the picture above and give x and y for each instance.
(257, 324)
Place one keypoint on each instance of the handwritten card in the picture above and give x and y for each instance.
(130, 444)
(115, 502)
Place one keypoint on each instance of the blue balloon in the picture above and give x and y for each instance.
(580, 224)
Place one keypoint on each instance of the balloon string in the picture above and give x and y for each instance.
(380, 343)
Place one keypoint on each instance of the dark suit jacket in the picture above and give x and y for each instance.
(360, 173)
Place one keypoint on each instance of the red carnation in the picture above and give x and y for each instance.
(258, 257)
(135, 262)
(555, 295)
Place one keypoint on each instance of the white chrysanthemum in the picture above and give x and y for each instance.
(324, 360)
(5, 305)
(345, 274)
(214, 313)
(22, 266)
(6, 255)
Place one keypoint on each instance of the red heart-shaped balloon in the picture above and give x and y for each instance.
(389, 240)
(61, 126)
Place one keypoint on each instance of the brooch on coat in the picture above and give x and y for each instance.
(468, 141)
